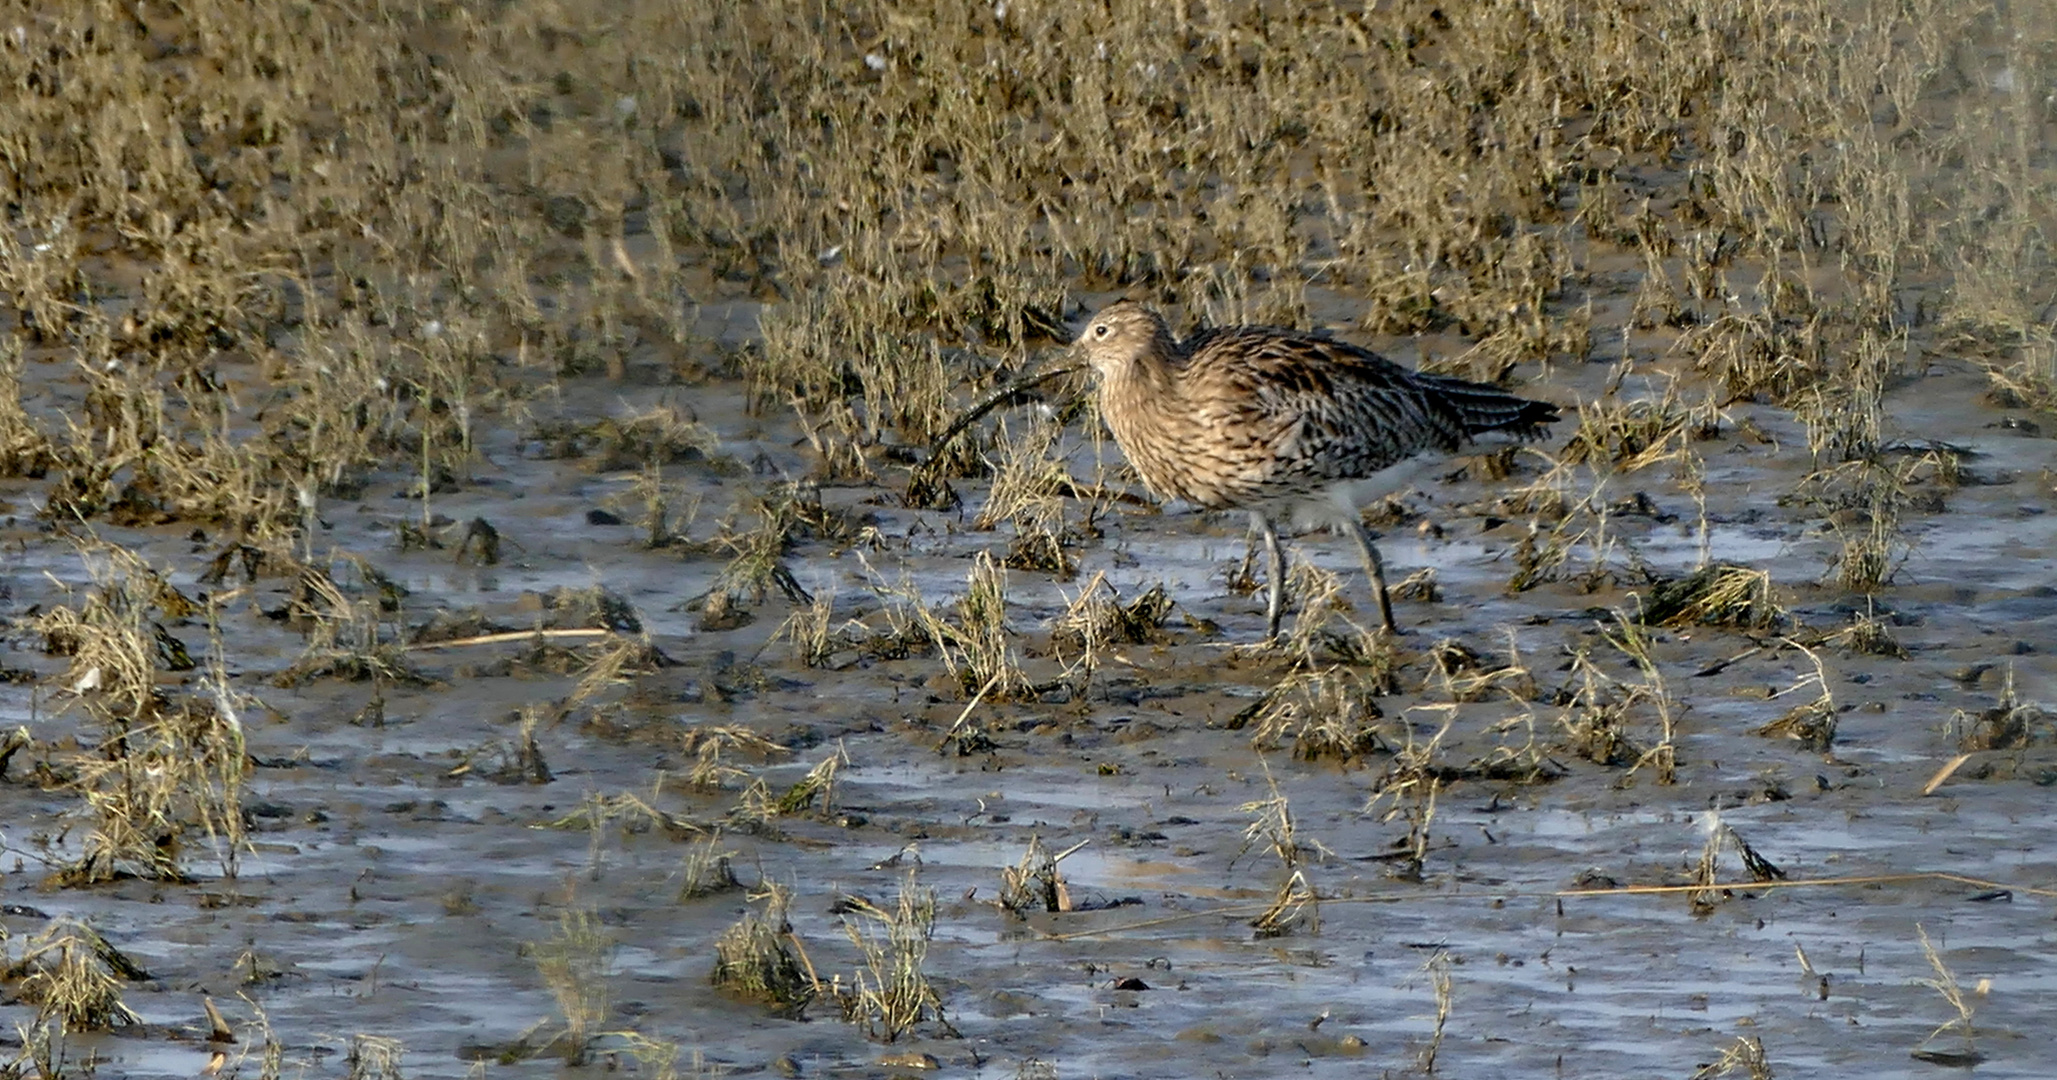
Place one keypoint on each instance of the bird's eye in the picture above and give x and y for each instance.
(1100, 330)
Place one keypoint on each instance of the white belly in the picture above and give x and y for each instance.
(1340, 501)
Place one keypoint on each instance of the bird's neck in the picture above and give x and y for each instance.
(1143, 404)
(1153, 370)
(1145, 385)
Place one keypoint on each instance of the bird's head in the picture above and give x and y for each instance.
(1122, 335)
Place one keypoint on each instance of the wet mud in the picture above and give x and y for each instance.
(401, 869)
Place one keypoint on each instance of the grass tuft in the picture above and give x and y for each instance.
(74, 976)
(576, 964)
(759, 958)
(890, 994)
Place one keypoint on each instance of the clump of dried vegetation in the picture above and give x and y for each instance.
(977, 646)
(1745, 1058)
(375, 1057)
(1326, 631)
(1326, 713)
(1813, 720)
(1408, 792)
(1035, 883)
(575, 963)
(889, 993)
(156, 771)
(405, 222)
(759, 957)
(1722, 837)
(1715, 595)
(1100, 619)
(1295, 906)
(2009, 724)
(1963, 1002)
(1608, 717)
(708, 868)
(74, 977)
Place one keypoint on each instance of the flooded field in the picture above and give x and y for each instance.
(486, 594)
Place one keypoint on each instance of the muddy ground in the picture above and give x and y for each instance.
(400, 871)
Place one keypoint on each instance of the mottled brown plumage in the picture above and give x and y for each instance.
(1268, 420)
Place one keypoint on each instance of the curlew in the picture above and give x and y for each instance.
(1278, 422)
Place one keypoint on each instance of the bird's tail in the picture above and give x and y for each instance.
(1483, 409)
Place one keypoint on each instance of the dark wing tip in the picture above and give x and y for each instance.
(1532, 421)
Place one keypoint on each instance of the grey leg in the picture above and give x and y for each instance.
(1374, 566)
(1275, 572)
